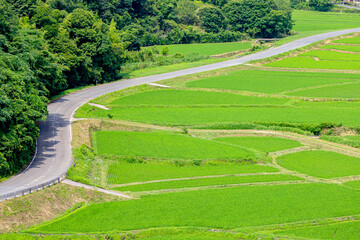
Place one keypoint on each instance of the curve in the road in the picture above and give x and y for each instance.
(54, 154)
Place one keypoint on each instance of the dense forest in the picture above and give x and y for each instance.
(49, 46)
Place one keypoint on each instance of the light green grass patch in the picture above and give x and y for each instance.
(207, 48)
(348, 48)
(351, 90)
(227, 208)
(266, 144)
(343, 231)
(183, 97)
(321, 164)
(270, 81)
(351, 40)
(212, 181)
(331, 55)
(124, 172)
(165, 145)
(309, 62)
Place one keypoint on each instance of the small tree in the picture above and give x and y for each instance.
(186, 11)
(165, 51)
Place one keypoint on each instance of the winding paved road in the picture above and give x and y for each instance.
(54, 157)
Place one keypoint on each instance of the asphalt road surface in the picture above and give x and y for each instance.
(54, 156)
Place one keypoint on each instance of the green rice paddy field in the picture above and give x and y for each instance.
(124, 172)
(229, 208)
(325, 59)
(190, 183)
(321, 164)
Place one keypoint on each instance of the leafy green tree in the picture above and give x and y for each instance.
(320, 5)
(211, 19)
(219, 3)
(260, 18)
(186, 11)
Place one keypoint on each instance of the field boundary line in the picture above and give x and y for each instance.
(319, 86)
(298, 225)
(188, 189)
(289, 151)
(82, 185)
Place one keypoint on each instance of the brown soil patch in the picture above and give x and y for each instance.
(23, 212)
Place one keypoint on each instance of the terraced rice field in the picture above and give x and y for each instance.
(343, 231)
(208, 181)
(165, 145)
(125, 172)
(321, 164)
(192, 176)
(266, 144)
(347, 48)
(240, 207)
(349, 40)
(333, 58)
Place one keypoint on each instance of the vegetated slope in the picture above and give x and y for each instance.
(351, 140)
(240, 207)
